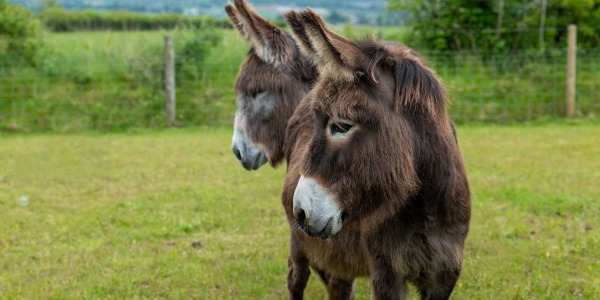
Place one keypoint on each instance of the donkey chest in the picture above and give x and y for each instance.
(408, 252)
(341, 255)
(424, 252)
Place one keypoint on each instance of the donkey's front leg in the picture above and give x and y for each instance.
(440, 287)
(299, 269)
(337, 288)
(340, 289)
(385, 283)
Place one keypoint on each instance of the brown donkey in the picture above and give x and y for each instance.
(376, 184)
(272, 81)
(270, 84)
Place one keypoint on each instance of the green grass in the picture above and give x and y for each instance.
(115, 216)
(113, 81)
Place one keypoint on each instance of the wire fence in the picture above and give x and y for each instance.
(518, 86)
(107, 90)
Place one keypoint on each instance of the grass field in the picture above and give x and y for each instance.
(171, 214)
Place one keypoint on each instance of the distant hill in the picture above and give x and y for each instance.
(354, 11)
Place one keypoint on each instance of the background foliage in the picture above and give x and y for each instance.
(473, 25)
(112, 80)
(20, 34)
(59, 19)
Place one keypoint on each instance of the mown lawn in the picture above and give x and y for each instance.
(172, 215)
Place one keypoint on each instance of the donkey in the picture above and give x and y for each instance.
(272, 81)
(375, 184)
(270, 84)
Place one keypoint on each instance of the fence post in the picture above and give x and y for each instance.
(170, 80)
(571, 69)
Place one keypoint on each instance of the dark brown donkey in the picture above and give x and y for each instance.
(376, 184)
(270, 84)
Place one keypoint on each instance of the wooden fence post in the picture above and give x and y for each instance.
(170, 80)
(571, 70)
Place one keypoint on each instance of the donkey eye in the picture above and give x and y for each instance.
(340, 127)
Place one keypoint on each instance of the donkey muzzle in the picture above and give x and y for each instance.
(250, 156)
(315, 210)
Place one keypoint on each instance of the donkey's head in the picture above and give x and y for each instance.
(377, 105)
(270, 84)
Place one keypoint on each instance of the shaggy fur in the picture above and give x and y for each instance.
(399, 178)
(271, 82)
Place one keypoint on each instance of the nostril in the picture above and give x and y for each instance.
(344, 216)
(237, 153)
(301, 217)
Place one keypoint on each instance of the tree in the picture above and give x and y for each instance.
(448, 25)
(474, 25)
(20, 34)
(45, 4)
(559, 14)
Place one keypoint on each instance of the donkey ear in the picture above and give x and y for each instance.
(268, 40)
(333, 53)
(293, 19)
(232, 13)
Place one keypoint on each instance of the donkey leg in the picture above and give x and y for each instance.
(385, 282)
(324, 276)
(337, 288)
(388, 285)
(341, 289)
(299, 270)
(441, 287)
